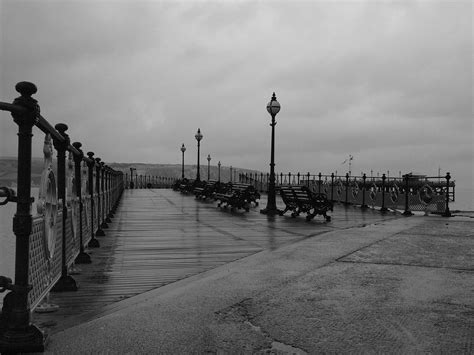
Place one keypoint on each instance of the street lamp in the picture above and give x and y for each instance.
(273, 107)
(219, 171)
(198, 137)
(231, 173)
(183, 149)
(131, 177)
(208, 167)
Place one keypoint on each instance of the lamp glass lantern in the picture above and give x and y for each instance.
(273, 107)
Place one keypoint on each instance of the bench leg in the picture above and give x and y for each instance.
(281, 213)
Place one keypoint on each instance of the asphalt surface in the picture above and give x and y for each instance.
(398, 286)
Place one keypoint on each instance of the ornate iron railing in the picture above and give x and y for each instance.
(135, 181)
(72, 208)
(408, 193)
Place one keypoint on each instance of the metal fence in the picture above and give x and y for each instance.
(74, 205)
(407, 193)
(147, 181)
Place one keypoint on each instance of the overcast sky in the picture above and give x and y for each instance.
(389, 82)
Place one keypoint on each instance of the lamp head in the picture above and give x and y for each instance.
(198, 135)
(273, 107)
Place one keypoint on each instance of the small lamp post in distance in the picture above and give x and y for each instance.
(208, 167)
(183, 149)
(198, 137)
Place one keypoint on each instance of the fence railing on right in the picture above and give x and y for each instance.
(410, 192)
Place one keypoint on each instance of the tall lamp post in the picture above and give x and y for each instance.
(183, 149)
(273, 107)
(208, 167)
(198, 137)
(219, 171)
(131, 177)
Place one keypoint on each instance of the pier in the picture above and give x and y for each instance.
(97, 242)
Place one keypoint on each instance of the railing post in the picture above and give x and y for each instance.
(383, 209)
(82, 257)
(332, 187)
(364, 205)
(319, 182)
(108, 194)
(407, 211)
(17, 333)
(346, 202)
(447, 212)
(65, 282)
(113, 191)
(93, 243)
(100, 232)
(104, 224)
(307, 181)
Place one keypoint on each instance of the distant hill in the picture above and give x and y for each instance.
(8, 170)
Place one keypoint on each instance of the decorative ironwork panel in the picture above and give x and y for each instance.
(86, 220)
(72, 241)
(44, 266)
(96, 214)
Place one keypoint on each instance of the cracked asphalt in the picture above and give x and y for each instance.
(402, 286)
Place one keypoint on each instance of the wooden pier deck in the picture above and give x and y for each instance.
(159, 236)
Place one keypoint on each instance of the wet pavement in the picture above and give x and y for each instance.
(364, 283)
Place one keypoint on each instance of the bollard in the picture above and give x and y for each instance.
(17, 333)
(66, 282)
(82, 257)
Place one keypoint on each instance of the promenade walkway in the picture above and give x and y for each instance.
(176, 275)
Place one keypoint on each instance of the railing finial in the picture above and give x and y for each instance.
(26, 89)
(61, 127)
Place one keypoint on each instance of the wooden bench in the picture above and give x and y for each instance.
(187, 186)
(237, 195)
(206, 190)
(300, 199)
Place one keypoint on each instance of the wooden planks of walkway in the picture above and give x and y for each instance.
(159, 236)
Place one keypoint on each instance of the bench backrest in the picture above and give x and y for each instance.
(295, 193)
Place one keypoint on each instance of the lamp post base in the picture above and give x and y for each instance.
(83, 258)
(271, 211)
(93, 243)
(29, 339)
(65, 284)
